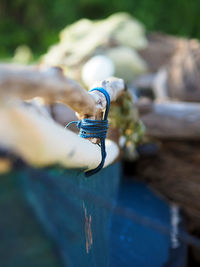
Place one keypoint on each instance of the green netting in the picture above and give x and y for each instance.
(46, 222)
(23, 241)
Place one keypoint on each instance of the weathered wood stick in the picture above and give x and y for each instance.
(40, 141)
(28, 82)
(36, 137)
(171, 120)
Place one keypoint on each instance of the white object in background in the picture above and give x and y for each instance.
(97, 68)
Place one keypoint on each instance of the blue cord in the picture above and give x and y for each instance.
(95, 129)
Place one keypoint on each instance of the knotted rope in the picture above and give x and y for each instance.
(95, 129)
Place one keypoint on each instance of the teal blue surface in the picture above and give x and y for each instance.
(23, 240)
(53, 217)
(78, 226)
(135, 244)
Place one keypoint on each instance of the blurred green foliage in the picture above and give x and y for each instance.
(36, 23)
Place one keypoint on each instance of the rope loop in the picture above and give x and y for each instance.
(95, 129)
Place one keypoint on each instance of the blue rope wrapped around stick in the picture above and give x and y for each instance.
(95, 129)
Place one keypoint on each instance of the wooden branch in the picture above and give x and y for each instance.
(171, 120)
(36, 137)
(114, 86)
(28, 82)
(40, 141)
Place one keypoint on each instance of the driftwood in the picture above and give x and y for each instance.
(40, 141)
(183, 72)
(171, 120)
(175, 126)
(174, 170)
(28, 82)
(33, 135)
(176, 63)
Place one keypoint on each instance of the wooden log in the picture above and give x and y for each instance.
(171, 120)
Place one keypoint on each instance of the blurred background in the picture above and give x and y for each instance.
(36, 23)
(154, 47)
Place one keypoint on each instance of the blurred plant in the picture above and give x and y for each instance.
(84, 46)
(124, 116)
(23, 54)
